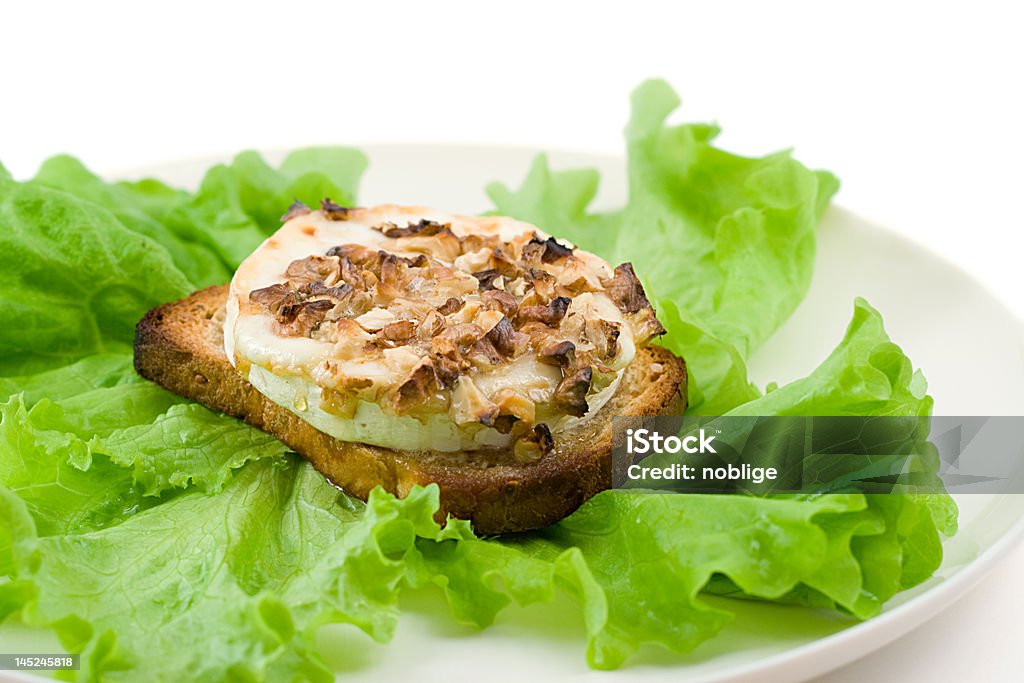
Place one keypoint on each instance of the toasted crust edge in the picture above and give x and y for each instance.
(178, 345)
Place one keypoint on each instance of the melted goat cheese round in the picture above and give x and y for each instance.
(414, 329)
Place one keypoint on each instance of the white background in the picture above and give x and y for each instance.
(917, 108)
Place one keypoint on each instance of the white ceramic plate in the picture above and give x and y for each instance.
(969, 346)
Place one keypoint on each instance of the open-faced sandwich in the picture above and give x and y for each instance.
(395, 346)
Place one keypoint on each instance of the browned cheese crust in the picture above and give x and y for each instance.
(179, 346)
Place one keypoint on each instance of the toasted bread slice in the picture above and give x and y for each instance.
(179, 345)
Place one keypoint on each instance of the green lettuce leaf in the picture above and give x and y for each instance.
(84, 260)
(231, 586)
(92, 372)
(76, 280)
(187, 445)
(65, 489)
(92, 442)
(557, 202)
(240, 204)
(142, 207)
(708, 231)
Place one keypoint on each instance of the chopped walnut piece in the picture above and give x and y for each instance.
(487, 318)
(576, 277)
(357, 277)
(517, 287)
(295, 210)
(533, 253)
(544, 251)
(555, 250)
(463, 334)
(417, 284)
(562, 354)
(646, 325)
(429, 237)
(356, 253)
(474, 243)
(398, 331)
(410, 307)
(347, 384)
(601, 371)
(445, 283)
(444, 346)
(506, 340)
(342, 399)
(571, 393)
(431, 326)
(447, 371)
(514, 403)
(391, 276)
(504, 424)
(444, 246)
(416, 390)
(551, 314)
(497, 300)
(275, 297)
(375, 319)
(312, 268)
(450, 306)
(538, 332)
(299, 320)
(543, 284)
(332, 211)
(534, 445)
(496, 347)
(483, 353)
(353, 305)
(466, 313)
(420, 260)
(505, 266)
(423, 228)
(470, 405)
(351, 340)
(487, 278)
(473, 261)
(604, 335)
(625, 289)
(338, 292)
(628, 294)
